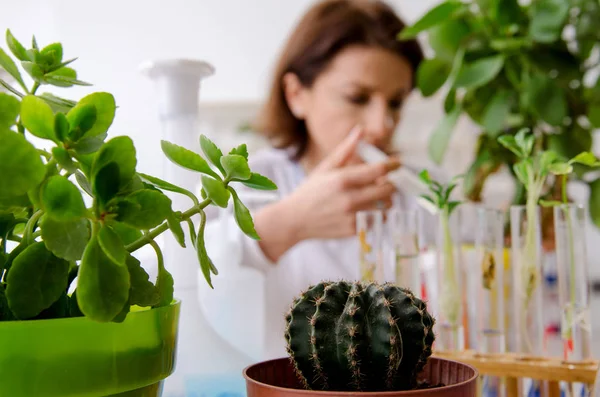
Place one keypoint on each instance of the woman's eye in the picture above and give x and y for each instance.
(396, 104)
(358, 99)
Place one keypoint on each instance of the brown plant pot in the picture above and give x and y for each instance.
(276, 378)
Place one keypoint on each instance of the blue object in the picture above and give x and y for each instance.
(216, 385)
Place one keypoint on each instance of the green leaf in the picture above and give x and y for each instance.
(144, 209)
(548, 100)
(52, 53)
(186, 158)
(121, 151)
(216, 191)
(509, 142)
(21, 166)
(174, 223)
(105, 105)
(62, 77)
(103, 285)
(438, 142)
(5, 313)
(203, 259)
(81, 119)
(585, 158)
(9, 65)
(127, 234)
(74, 310)
(242, 216)
(142, 292)
(593, 114)
(63, 158)
(594, 202)
(58, 309)
(56, 103)
(60, 66)
(525, 141)
(161, 184)
(36, 280)
(105, 184)
(480, 72)
(63, 81)
(65, 239)
(560, 168)
(212, 152)
(10, 88)
(88, 145)
(112, 245)
(450, 101)
(9, 110)
(236, 166)
(497, 112)
(164, 281)
(37, 117)
(433, 17)
(119, 318)
(164, 284)
(547, 158)
(523, 171)
(34, 70)
(83, 182)
(61, 126)
(452, 206)
(424, 177)
(259, 182)
(192, 230)
(431, 75)
(446, 38)
(62, 200)
(506, 12)
(242, 150)
(15, 46)
(547, 20)
(550, 203)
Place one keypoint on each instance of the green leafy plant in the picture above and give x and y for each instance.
(355, 336)
(532, 170)
(450, 297)
(81, 209)
(509, 65)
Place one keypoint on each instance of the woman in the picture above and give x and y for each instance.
(342, 77)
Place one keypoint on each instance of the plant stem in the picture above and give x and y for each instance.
(27, 236)
(148, 238)
(35, 87)
(159, 255)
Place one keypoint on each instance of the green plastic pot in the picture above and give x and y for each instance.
(80, 357)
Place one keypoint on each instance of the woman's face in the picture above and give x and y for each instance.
(361, 86)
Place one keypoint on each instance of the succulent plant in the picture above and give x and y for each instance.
(352, 336)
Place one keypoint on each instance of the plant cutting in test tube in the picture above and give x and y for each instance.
(563, 169)
(533, 170)
(450, 295)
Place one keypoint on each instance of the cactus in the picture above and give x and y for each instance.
(351, 336)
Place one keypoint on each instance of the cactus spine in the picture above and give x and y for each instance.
(350, 336)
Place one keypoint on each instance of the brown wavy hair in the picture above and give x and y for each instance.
(326, 29)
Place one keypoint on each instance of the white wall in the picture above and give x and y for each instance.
(112, 38)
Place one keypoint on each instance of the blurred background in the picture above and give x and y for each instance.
(241, 40)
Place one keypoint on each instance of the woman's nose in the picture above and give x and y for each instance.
(379, 124)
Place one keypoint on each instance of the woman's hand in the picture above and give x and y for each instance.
(325, 205)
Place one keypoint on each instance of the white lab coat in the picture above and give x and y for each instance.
(307, 263)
